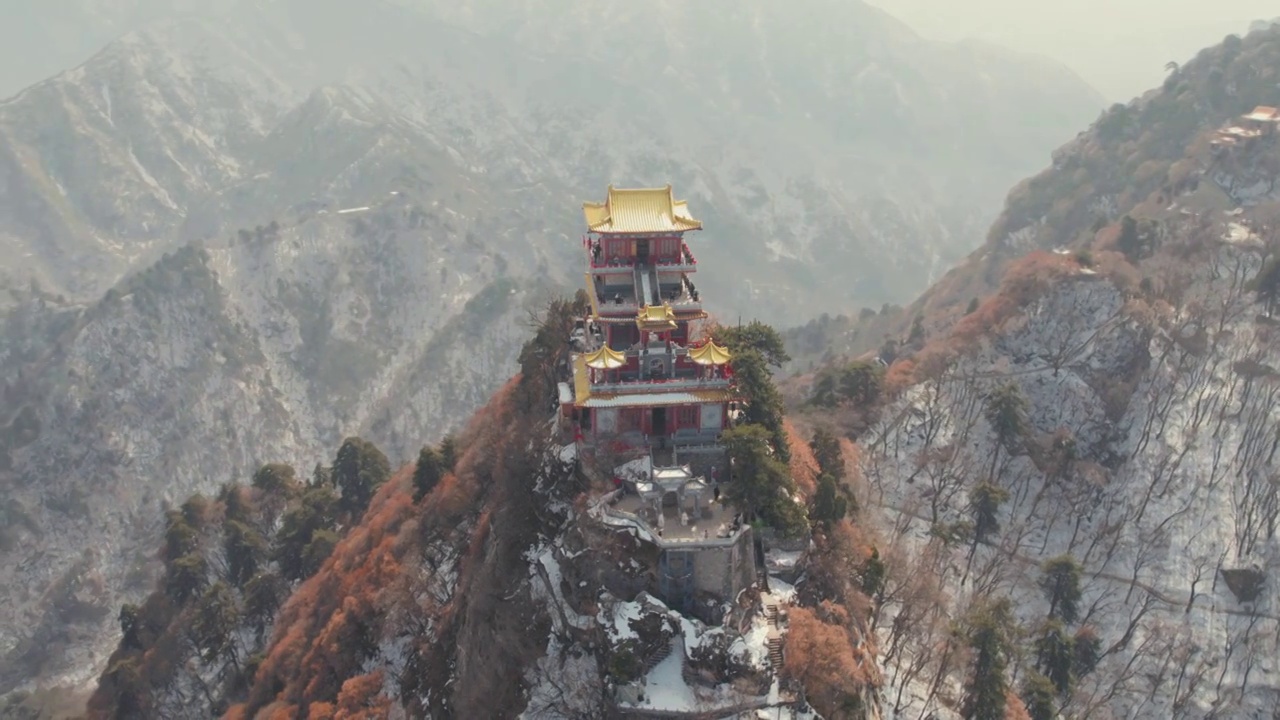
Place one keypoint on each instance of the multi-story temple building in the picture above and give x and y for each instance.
(642, 375)
(648, 389)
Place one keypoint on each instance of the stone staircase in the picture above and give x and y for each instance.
(773, 643)
(771, 613)
(657, 656)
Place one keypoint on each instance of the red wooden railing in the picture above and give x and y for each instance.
(603, 263)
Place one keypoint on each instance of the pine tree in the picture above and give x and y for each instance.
(756, 474)
(427, 473)
(196, 511)
(315, 511)
(829, 504)
(246, 550)
(757, 336)
(825, 391)
(761, 485)
(1129, 242)
(1054, 655)
(827, 451)
(449, 453)
(1006, 412)
(988, 626)
(764, 406)
(542, 354)
(1061, 585)
(179, 537)
(1266, 284)
(359, 469)
(984, 503)
(276, 479)
(215, 622)
(1086, 650)
(755, 348)
(236, 505)
(873, 575)
(862, 382)
(321, 476)
(1037, 695)
(916, 336)
(262, 597)
(130, 627)
(318, 550)
(186, 577)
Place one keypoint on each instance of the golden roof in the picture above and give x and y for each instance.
(639, 210)
(606, 358)
(710, 354)
(581, 383)
(656, 318)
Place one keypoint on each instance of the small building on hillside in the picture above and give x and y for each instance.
(1261, 122)
(1263, 119)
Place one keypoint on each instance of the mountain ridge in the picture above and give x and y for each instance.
(397, 320)
(1104, 395)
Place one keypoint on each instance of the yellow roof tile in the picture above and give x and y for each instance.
(656, 318)
(710, 354)
(639, 210)
(606, 358)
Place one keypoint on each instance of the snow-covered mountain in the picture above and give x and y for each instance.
(1147, 457)
(826, 144)
(201, 303)
(1095, 389)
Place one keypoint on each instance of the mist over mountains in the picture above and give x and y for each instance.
(188, 298)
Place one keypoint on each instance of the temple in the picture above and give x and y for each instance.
(647, 393)
(643, 376)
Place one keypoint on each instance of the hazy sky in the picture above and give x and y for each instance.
(1118, 46)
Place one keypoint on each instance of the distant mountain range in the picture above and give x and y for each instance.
(201, 303)
(1263, 24)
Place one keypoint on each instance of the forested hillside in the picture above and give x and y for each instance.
(1070, 447)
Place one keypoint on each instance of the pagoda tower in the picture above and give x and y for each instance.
(642, 376)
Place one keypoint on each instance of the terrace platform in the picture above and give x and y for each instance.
(715, 521)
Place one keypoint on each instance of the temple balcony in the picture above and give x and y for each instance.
(699, 449)
(635, 384)
(646, 284)
(686, 262)
(613, 302)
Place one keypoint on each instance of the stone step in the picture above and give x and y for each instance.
(771, 614)
(656, 657)
(774, 647)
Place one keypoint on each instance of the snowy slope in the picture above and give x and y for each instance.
(1172, 416)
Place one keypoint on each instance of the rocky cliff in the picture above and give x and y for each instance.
(1144, 453)
(1104, 416)
(270, 346)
